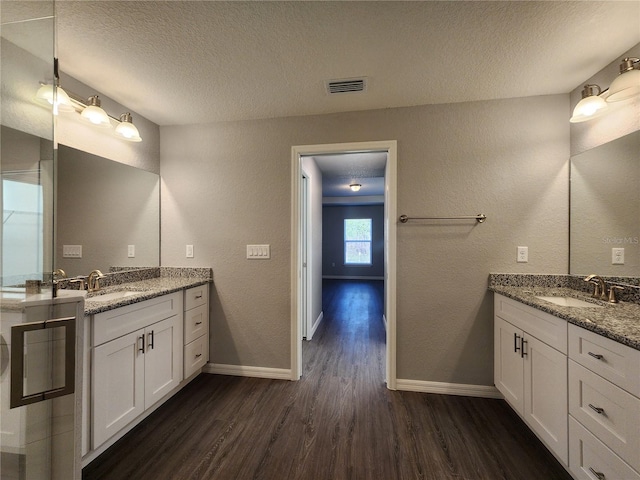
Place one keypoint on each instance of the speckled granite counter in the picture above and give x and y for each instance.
(146, 289)
(617, 321)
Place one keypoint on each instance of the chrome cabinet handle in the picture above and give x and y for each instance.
(597, 356)
(515, 342)
(598, 410)
(599, 475)
(141, 347)
(522, 344)
(151, 341)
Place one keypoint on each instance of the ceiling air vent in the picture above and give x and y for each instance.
(347, 85)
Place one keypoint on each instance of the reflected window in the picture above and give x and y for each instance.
(22, 229)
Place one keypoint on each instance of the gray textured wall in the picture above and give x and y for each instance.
(333, 240)
(228, 184)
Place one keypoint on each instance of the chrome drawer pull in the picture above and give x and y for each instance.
(599, 475)
(598, 410)
(597, 356)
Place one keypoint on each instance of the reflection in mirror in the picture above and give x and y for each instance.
(104, 207)
(605, 209)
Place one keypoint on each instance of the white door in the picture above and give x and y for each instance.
(546, 395)
(508, 363)
(119, 397)
(162, 359)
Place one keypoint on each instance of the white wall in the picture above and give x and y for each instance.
(226, 185)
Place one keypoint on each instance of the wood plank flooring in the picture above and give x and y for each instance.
(338, 422)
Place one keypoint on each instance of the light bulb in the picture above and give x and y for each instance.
(96, 115)
(127, 130)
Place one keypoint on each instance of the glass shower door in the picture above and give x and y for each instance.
(38, 345)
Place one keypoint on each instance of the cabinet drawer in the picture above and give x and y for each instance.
(609, 412)
(196, 355)
(545, 327)
(196, 323)
(587, 452)
(120, 321)
(196, 296)
(614, 361)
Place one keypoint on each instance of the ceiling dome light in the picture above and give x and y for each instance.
(94, 114)
(61, 102)
(127, 130)
(591, 105)
(355, 187)
(627, 84)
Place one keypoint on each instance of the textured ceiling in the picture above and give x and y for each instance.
(181, 62)
(339, 171)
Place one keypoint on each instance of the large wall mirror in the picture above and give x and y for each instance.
(109, 209)
(605, 209)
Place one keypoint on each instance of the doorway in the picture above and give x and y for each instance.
(302, 248)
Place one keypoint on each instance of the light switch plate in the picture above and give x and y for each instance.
(523, 255)
(258, 252)
(189, 251)
(72, 251)
(131, 251)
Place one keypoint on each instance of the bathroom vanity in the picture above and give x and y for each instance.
(144, 341)
(569, 365)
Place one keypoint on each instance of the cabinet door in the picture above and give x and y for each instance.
(163, 359)
(118, 397)
(545, 395)
(508, 363)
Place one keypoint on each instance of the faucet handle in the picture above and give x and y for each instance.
(612, 293)
(79, 280)
(596, 289)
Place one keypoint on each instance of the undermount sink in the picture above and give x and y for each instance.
(569, 302)
(108, 297)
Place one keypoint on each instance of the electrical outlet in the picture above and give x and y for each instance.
(131, 251)
(617, 256)
(189, 251)
(523, 255)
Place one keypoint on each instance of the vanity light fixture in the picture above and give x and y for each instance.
(127, 130)
(355, 187)
(60, 100)
(627, 84)
(94, 113)
(591, 105)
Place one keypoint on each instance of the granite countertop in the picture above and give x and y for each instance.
(146, 289)
(617, 321)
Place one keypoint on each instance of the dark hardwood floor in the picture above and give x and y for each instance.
(338, 422)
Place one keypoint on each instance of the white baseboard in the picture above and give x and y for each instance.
(315, 325)
(351, 277)
(245, 371)
(444, 388)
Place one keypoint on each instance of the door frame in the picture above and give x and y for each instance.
(390, 229)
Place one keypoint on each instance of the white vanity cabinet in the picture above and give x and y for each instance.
(136, 359)
(530, 369)
(196, 329)
(604, 407)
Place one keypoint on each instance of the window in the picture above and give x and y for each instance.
(357, 241)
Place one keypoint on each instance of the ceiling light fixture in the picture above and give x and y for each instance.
(627, 84)
(127, 130)
(355, 187)
(94, 113)
(591, 105)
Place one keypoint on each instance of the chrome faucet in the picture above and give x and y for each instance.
(600, 291)
(93, 280)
